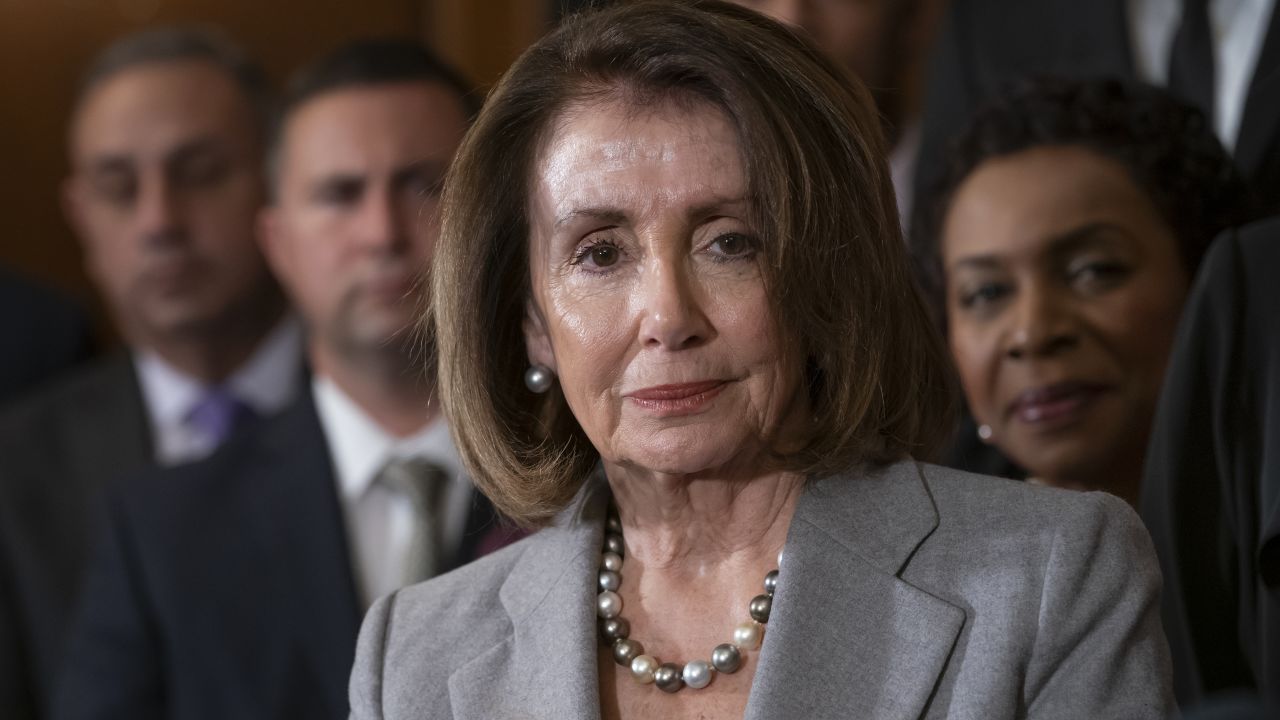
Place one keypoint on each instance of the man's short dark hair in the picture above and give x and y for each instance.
(1167, 147)
(378, 61)
(177, 44)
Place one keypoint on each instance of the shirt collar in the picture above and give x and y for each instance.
(359, 446)
(267, 381)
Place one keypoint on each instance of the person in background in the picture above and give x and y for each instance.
(885, 44)
(1211, 493)
(1062, 241)
(45, 334)
(166, 145)
(233, 588)
(1221, 56)
(678, 329)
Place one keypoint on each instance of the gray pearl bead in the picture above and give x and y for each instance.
(608, 604)
(615, 628)
(613, 524)
(697, 674)
(668, 677)
(538, 378)
(610, 580)
(611, 561)
(626, 650)
(726, 658)
(760, 607)
(613, 543)
(771, 583)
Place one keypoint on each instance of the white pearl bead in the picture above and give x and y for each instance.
(611, 562)
(608, 604)
(748, 635)
(697, 674)
(642, 668)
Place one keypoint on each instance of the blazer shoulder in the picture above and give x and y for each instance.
(456, 610)
(430, 630)
(964, 496)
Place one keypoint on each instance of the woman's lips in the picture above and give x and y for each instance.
(1055, 404)
(677, 399)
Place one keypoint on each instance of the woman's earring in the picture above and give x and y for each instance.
(538, 378)
(984, 432)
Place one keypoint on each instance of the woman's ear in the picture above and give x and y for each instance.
(537, 341)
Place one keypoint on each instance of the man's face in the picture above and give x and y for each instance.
(164, 189)
(356, 214)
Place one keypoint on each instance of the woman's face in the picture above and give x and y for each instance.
(1064, 287)
(648, 300)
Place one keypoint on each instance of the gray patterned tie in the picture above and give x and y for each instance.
(423, 484)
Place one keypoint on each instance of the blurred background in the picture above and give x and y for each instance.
(45, 45)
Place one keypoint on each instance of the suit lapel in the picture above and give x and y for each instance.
(847, 635)
(547, 667)
(1260, 121)
(301, 523)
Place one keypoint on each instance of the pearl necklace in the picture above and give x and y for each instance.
(645, 669)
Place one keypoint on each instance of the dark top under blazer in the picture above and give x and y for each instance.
(986, 44)
(1211, 494)
(57, 450)
(908, 592)
(224, 588)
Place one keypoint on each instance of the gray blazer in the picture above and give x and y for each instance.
(906, 592)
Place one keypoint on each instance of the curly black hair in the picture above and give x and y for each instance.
(1167, 147)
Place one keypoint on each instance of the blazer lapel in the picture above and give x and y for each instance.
(301, 522)
(1260, 121)
(847, 636)
(547, 667)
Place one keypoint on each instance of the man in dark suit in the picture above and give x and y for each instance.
(235, 587)
(166, 143)
(1222, 56)
(44, 335)
(1211, 492)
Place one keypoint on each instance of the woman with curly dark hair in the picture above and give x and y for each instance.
(1061, 243)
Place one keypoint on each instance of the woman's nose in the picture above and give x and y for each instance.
(673, 316)
(1043, 325)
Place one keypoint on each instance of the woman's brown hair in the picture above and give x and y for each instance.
(833, 259)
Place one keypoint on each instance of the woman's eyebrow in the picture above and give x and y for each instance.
(603, 214)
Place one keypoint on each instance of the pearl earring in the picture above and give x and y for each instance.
(984, 433)
(538, 378)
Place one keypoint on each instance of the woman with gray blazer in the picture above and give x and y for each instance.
(677, 329)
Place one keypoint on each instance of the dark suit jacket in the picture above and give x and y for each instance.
(57, 448)
(41, 332)
(986, 44)
(1211, 494)
(224, 589)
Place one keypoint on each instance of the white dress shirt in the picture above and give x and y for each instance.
(380, 520)
(267, 382)
(1239, 28)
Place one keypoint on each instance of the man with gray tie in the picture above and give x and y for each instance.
(234, 587)
(166, 144)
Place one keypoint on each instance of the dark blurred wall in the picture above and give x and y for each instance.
(45, 43)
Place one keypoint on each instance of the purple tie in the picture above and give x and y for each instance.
(218, 413)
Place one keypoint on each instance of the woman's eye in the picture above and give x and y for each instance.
(983, 295)
(732, 245)
(600, 254)
(1095, 273)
